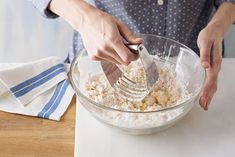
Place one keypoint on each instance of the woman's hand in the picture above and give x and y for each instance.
(103, 37)
(102, 34)
(210, 45)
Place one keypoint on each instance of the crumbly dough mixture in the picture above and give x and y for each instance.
(167, 92)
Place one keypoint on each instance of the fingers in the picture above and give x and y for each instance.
(210, 55)
(114, 51)
(110, 44)
(127, 34)
(125, 54)
(108, 54)
(209, 89)
(104, 56)
(216, 56)
(210, 85)
(205, 48)
(114, 46)
(114, 55)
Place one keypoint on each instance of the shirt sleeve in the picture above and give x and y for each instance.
(42, 7)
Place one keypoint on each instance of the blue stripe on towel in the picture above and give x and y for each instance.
(36, 81)
(55, 100)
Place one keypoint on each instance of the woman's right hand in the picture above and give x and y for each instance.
(102, 34)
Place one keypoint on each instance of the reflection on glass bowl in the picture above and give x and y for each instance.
(186, 67)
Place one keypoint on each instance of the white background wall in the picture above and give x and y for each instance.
(25, 35)
(230, 42)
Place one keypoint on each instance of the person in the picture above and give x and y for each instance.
(101, 25)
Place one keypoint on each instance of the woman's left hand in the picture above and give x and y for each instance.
(210, 45)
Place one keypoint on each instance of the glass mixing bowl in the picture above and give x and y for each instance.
(186, 66)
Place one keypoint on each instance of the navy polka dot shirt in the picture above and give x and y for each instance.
(181, 20)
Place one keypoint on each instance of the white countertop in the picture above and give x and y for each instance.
(198, 134)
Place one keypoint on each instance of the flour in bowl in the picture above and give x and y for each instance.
(167, 92)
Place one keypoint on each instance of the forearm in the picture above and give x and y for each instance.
(72, 11)
(223, 18)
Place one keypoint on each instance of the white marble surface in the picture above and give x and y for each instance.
(199, 134)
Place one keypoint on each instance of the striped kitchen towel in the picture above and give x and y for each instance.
(39, 88)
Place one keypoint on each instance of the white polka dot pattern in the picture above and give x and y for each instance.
(180, 20)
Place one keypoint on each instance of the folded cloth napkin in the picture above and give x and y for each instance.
(39, 88)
